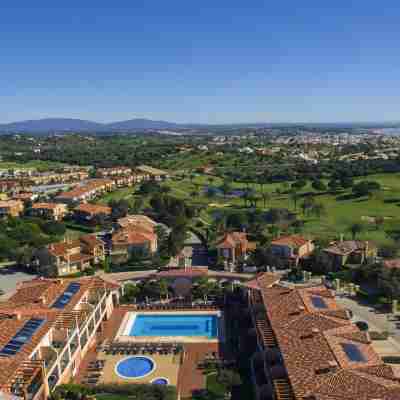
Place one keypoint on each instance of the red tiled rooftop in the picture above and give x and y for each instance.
(93, 209)
(232, 239)
(311, 335)
(292, 241)
(189, 272)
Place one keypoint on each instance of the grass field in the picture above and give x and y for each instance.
(341, 209)
(38, 164)
(111, 397)
(119, 194)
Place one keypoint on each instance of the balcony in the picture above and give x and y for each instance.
(49, 357)
(58, 345)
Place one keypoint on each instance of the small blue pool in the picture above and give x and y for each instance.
(160, 381)
(135, 367)
(175, 325)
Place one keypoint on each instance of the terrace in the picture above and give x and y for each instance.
(178, 362)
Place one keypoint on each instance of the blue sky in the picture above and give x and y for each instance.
(201, 61)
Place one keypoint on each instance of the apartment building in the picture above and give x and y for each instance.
(46, 328)
(291, 249)
(11, 208)
(46, 178)
(53, 211)
(133, 239)
(340, 253)
(307, 347)
(70, 256)
(234, 246)
(87, 191)
(114, 171)
(88, 213)
(152, 173)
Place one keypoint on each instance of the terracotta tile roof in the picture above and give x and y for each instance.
(88, 187)
(151, 170)
(292, 241)
(188, 272)
(10, 203)
(91, 240)
(312, 338)
(347, 247)
(35, 299)
(49, 206)
(138, 220)
(61, 249)
(93, 209)
(23, 196)
(232, 240)
(263, 280)
(392, 264)
(133, 235)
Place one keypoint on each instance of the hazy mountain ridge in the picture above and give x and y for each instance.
(78, 125)
(60, 125)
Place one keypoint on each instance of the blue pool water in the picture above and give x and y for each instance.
(160, 381)
(175, 325)
(135, 367)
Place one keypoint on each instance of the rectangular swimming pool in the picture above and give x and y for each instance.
(175, 325)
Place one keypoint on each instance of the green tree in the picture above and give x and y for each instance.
(356, 229)
(294, 196)
(138, 205)
(318, 185)
(266, 197)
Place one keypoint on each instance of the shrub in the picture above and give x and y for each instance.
(374, 335)
(138, 392)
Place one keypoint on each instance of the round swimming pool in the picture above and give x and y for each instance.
(160, 381)
(135, 367)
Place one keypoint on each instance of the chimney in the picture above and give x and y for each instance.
(310, 334)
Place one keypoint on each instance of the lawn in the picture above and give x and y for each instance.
(341, 210)
(118, 194)
(38, 164)
(215, 389)
(112, 397)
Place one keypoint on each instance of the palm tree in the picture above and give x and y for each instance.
(294, 196)
(355, 229)
(266, 196)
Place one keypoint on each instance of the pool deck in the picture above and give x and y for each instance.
(188, 377)
(166, 366)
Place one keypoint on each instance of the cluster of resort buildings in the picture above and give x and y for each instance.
(304, 345)
(18, 189)
(47, 327)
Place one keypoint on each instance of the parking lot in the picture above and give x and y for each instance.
(10, 275)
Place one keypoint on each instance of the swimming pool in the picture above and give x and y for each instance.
(205, 325)
(135, 367)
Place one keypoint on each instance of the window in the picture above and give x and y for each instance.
(353, 352)
(318, 302)
(21, 337)
(66, 297)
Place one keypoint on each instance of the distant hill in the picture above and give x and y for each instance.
(49, 125)
(140, 123)
(65, 125)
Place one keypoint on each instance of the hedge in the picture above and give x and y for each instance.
(136, 391)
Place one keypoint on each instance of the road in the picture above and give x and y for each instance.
(137, 275)
(10, 276)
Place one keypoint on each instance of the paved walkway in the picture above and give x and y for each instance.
(132, 275)
(376, 321)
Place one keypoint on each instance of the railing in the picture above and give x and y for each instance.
(49, 362)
